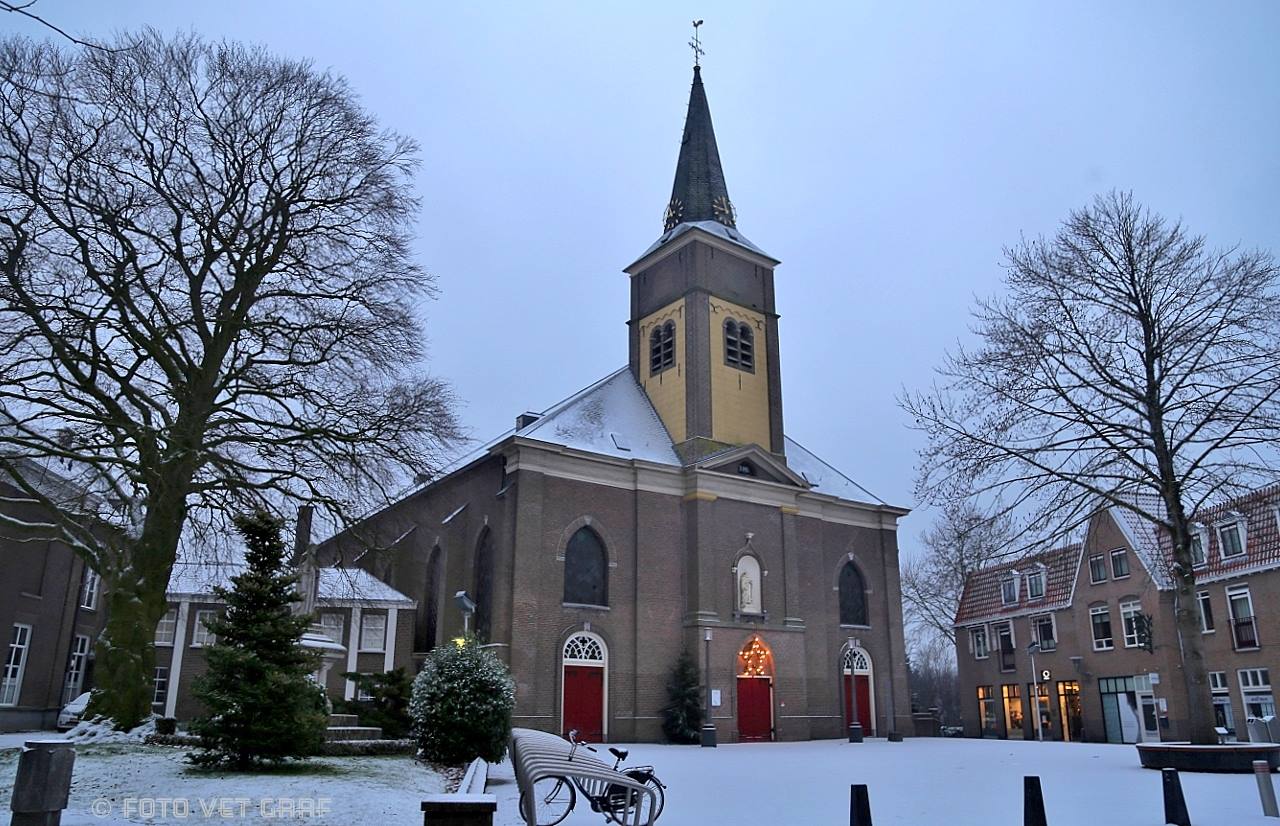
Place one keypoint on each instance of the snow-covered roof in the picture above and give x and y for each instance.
(822, 477)
(198, 579)
(730, 234)
(1143, 536)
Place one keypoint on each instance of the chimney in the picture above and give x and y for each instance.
(526, 419)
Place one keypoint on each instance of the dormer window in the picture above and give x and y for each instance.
(1009, 589)
(1198, 557)
(739, 346)
(1231, 539)
(662, 347)
(1035, 584)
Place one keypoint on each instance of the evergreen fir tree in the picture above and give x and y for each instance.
(682, 716)
(262, 705)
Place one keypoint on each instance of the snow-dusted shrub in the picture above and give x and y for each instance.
(461, 705)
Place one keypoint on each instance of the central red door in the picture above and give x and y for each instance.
(864, 702)
(755, 708)
(584, 701)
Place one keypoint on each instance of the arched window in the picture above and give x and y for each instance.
(853, 596)
(662, 347)
(586, 569)
(747, 582)
(434, 581)
(739, 346)
(484, 585)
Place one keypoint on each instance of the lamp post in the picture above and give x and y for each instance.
(1035, 689)
(708, 726)
(855, 725)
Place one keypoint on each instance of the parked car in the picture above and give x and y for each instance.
(72, 712)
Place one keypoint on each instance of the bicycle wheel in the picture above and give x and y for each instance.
(553, 799)
(623, 813)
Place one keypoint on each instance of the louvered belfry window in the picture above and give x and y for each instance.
(739, 346)
(662, 347)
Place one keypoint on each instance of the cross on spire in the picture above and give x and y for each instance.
(696, 45)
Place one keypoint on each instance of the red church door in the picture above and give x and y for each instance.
(755, 708)
(864, 702)
(584, 701)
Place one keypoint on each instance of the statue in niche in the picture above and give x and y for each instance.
(749, 587)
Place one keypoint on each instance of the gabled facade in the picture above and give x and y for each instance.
(1114, 673)
(664, 508)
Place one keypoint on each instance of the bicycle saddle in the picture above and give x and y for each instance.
(621, 754)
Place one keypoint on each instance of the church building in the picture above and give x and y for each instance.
(665, 508)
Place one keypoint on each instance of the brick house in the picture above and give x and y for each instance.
(1111, 670)
(664, 508)
(371, 623)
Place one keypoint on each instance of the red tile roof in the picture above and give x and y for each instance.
(981, 600)
(1261, 535)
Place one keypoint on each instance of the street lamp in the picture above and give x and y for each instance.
(708, 725)
(468, 607)
(1035, 689)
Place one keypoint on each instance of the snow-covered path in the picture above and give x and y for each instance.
(917, 782)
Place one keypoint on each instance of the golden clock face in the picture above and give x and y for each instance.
(672, 215)
(724, 211)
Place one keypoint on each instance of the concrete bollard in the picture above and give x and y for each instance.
(1175, 805)
(1033, 802)
(43, 782)
(859, 805)
(1266, 791)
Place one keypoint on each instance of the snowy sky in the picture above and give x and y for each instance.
(885, 152)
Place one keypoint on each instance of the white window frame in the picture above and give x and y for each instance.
(1218, 682)
(1009, 579)
(979, 652)
(1053, 629)
(160, 685)
(1202, 597)
(367, 623)
(11, 677)
(329, 627)
(1099, 645)
(200, 634)
(1130, 611)
(89, 589)
(1128, 568)
(169, 622)
(1037, 575)
(1105, 568)
(1199, 536)
(1238, 522)
(363, 696)
(77, 660)
(1252, 683)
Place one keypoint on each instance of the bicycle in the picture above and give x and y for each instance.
(555, 797)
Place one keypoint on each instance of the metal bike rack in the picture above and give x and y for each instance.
(537, 755)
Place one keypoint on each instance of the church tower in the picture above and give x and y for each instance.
(703, 326)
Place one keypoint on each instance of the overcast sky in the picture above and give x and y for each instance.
(885, 152)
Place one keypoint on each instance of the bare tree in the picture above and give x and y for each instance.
(207, 304)
(961, 540)
(1128, 365)
(933, 677)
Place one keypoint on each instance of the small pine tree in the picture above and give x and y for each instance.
(262, 704)
(389, 708)
(461, 705)
(682, 716)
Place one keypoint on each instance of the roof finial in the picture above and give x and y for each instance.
(696, 45)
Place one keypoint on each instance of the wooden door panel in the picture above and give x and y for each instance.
(584, 701)
(755, 708)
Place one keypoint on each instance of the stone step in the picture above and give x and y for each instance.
(344, 720)
(335, 733)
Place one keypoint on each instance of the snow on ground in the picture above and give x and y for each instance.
(920, 781)
(115, 778)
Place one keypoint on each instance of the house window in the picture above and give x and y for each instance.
(978, 642)
(1097, 568)
(76, 660)
(1035, 584)
(1223, 716)
(1100, 619)
(1004, 642)
(586, 569)
(1119, 563)
(362, 690)
(201, 635)
(332, 625)
(1255, 690)
(1244, 626)
(89, 588)
(739, 346)
(1043, 630)
(1206, 612)
(1231, 539)
(1013, 724)
(1198, 558)
(853, 596)
(1131, 619)
(160, 686)
(373, 632)
(167, 627)
(1218, 681)
(15, 663)
(662, 347)
(988, 711)
(1009, 588)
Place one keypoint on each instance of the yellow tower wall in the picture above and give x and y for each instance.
(739, 400)
(666, 389)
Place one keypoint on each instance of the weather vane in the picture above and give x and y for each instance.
(696, 44)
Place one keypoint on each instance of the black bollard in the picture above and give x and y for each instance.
(859, 806)
(1175, 805)
(1033, 802)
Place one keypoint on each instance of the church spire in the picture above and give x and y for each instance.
(699, 192)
